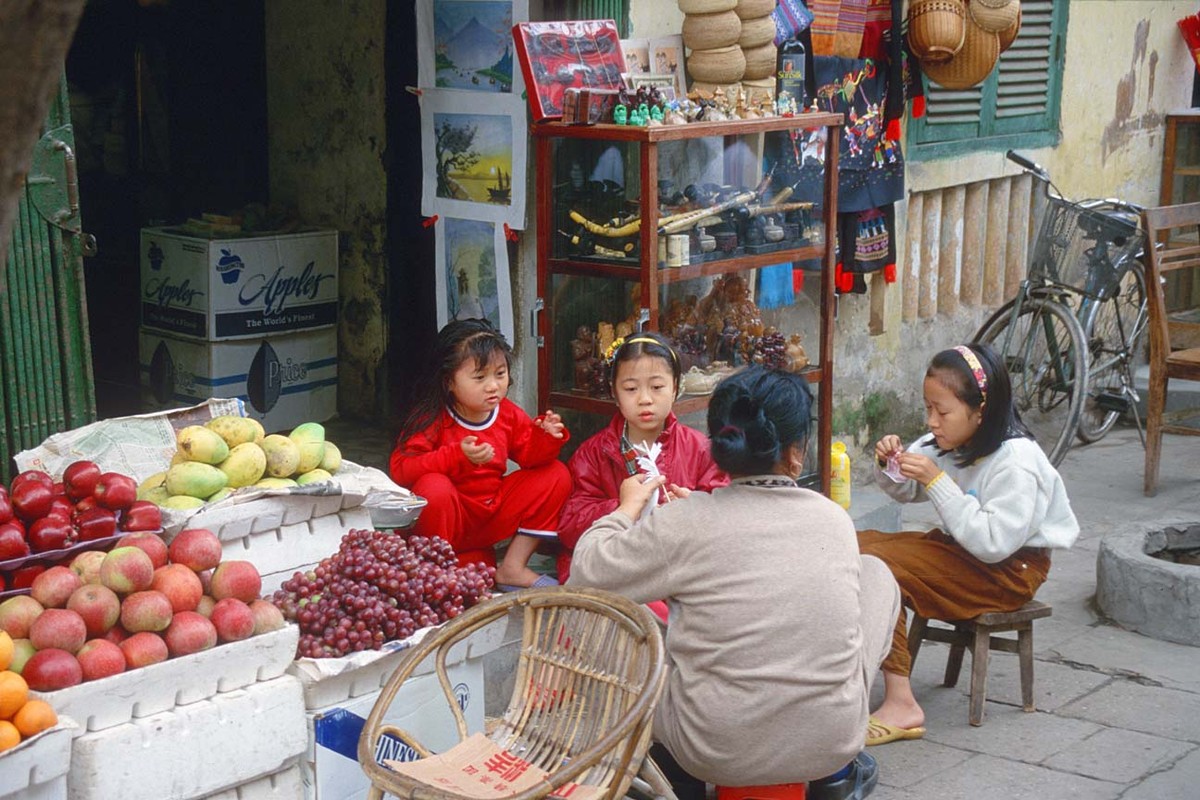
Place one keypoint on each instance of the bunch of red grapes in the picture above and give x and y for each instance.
(376, 588)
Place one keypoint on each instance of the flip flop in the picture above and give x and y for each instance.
(542, 582)
(882, 733)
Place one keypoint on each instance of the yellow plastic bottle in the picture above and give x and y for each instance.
(839, 483)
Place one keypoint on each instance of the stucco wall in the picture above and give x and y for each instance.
(325, 102)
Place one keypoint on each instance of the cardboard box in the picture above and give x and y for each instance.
(193, 750)
(331, 770)
(36, 769)
(282, 380)
(218, 289)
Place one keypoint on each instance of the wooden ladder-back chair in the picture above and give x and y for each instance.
(589, 674)
(1177, 229)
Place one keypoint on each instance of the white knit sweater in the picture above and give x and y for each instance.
(1011, 499)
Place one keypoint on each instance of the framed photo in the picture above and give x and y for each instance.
(637, 55)
(665, 83)
(474, 155)
(472, 273)
(666, 58)
(467, 44)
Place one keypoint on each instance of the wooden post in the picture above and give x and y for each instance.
(995, 248)
(912, 256)
(930, 246)
(950, 249)
(974, 243)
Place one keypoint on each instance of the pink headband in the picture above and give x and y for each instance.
(976, 369)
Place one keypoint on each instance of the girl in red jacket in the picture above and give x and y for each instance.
(454, 451)
(644, 437)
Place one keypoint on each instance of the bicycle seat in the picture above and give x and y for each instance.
(1108, 225)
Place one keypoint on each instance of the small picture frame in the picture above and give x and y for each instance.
(666, 56)
(662, 82)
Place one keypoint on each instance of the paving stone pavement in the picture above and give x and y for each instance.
(1118, 713)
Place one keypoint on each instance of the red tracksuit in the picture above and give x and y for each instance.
(474, 506)
(598, 467)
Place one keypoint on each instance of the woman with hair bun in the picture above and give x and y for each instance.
(778, 624)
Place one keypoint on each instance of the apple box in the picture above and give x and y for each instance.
(36, 769)
(282, 380)
(238, 288)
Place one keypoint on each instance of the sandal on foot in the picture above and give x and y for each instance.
(542, 582)
(882, 733)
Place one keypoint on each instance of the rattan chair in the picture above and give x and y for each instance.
(590, 671)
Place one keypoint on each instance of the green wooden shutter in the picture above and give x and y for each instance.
(1016, 106)
(45, 355)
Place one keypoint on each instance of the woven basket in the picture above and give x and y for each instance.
(973, 62)
(1009, 34)
(721, 65)
(760, 61)
(757, 32)
(710, 31)
(753, 9)
(936, 29)
(706, 6)
(994, 15)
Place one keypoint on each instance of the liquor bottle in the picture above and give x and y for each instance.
(789, 77)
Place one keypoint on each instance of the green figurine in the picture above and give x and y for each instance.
(620, 115)
(656, 114)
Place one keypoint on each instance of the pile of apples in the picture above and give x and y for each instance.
(141, 603)
(39, 515)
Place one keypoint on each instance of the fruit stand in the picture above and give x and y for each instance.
(231, 617)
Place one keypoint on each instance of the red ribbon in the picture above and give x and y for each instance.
(429, 222)
(509, 233)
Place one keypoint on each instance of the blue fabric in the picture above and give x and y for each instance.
(792, 18)
(775, 286)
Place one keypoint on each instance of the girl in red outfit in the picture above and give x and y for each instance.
(454, 451)
(644, 437)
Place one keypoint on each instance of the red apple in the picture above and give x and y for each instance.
(54, 587)
(61, 506)
(87, 565)
(151, 543)
(12, 540)
(146, 611)
(233, 620)
(267, 617)
(6, 509)
(22, 652)
(126, 570)
(100, 658)
(50, 533)
(17, 614)
(80, 479)
(86, 504)
(238, 579)
(205, 606)
(180, 585)
(34, 475)
(143, 649)
(60, 628)
(116, 634)
(98, 607)
(52, 669)
(196, 548)
(23, 578)
(96, 523)
(190, 633)
(115, 491)
(31, 500)
(143, 516)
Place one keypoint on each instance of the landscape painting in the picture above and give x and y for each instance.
(467, 44)
(473, 147)
(472, 264)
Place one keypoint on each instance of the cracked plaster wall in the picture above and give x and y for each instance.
(325, 103)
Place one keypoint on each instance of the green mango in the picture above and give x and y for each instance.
(275, 483)
(195, 479)
(314, 476)
(283, 456)
(200, 444)
(182, 502)
(233, 429)
(246, 464)
(331, 462)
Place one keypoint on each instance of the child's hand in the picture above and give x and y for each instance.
(637, 491)
(677, 492)
(918, 467)
(551, 423)
(887, 446)
(477, 453)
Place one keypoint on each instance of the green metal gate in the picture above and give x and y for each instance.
(45, 356)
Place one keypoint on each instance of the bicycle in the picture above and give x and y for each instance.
(1070, 336)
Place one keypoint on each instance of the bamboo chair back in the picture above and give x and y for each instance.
(1177, 228)
(590, 671)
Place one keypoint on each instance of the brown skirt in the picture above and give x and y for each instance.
(939, 579)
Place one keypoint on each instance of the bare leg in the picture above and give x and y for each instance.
(900, 707)
(513, 570)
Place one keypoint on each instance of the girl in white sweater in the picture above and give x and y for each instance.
(1003, 507)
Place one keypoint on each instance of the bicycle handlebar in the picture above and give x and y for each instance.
(1036, 169)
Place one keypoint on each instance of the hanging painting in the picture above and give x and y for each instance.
(473, 149)
(472, 273)
(467, 44)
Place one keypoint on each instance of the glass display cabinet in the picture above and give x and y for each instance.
(1181, 158)
(704, 232)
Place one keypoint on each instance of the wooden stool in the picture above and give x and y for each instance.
(977, 634)
(778, 791)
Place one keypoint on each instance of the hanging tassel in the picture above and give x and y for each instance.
(889, 273)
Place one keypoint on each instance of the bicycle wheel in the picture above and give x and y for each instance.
(1045, 353)
(1115, 330)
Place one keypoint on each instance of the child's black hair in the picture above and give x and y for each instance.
(1001, 421)
(754, 415)
(457, 342)
(649, 343)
